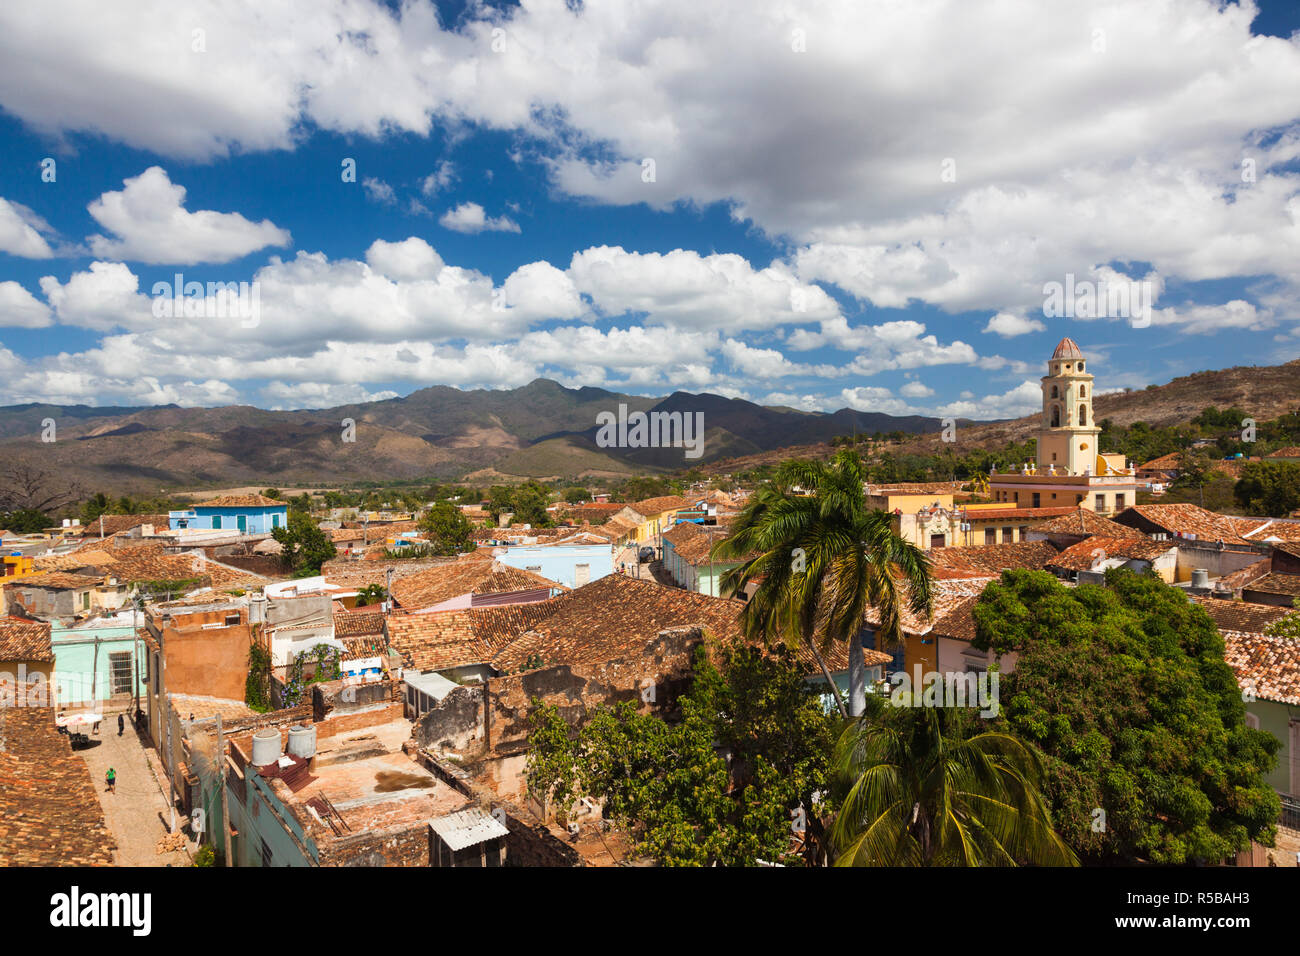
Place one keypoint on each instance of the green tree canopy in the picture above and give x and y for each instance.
(1125, 690)
(446, 528)
(304, 546)
(669, 783)
(1269, 488)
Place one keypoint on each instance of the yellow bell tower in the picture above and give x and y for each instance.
(1067, 441)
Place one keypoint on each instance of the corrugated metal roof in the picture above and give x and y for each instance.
(467, 828)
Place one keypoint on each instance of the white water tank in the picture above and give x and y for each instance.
(302, 741)
(266, 747)
(1200, 578)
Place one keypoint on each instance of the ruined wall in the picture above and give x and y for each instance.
(406, 845)
(527, 843)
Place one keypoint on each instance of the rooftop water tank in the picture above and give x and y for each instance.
(266, 747)
(302, 741)
(1200, 578)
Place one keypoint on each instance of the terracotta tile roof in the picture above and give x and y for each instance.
(696, 549)
(993, 559)
(116, 524)
(1265, 665)
(1239, 615)
(363, 645)
(358, 623)
(1082, 556)
(650, 507)
(25, 641)
(946, 595)
(679, 534)
(49, 810)
(444, 639)
(202, 707)
(614, 618)
(1167, 462)
(1277, 583)
(57, 581)
(1081, 521)
(354, 574)
(1188, 519)
(1067, 348)
(242, 501)
(1289, 547)
(435, 585)
(1274, 531)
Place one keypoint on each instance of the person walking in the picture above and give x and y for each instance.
(121, 724)
(112, 780)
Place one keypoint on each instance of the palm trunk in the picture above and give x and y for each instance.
(835, 691)
(857, 677)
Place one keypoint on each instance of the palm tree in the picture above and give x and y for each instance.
(979, 483)
(918, 793)
(820, 559)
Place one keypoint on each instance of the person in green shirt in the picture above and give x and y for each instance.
(112, 780)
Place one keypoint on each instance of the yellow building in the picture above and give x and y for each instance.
(1069, 471)
(926, 515)
(15, 566)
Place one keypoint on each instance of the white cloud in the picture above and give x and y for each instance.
(152, 225)
(470, 217)
(1009, 325)
(378, 191)
(873, 398)
(20, 232)
(440, 179)
(685, 289)
(1024, 399)
(915, 390)
(20, 309)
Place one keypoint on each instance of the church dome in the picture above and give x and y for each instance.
(1067, 348)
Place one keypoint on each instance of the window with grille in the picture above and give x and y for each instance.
(119, 672)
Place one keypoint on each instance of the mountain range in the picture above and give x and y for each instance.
(542, 429)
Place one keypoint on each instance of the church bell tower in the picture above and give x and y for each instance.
(1067, 441)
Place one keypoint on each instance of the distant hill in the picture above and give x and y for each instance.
(542, 429)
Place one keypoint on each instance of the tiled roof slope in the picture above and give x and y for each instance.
(242, 501)
(993, 559)
(1266, 665)
(435, 585)
(1240, 616)
(1085, 522)
(614, 618)
(445, 639)
(25, 641)
(1082, 556)
(49, 812)
(1190, 519)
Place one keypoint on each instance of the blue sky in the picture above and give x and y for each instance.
(851, 204)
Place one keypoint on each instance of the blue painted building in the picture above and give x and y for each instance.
(246, 514)
(572, 565)
(98, 661)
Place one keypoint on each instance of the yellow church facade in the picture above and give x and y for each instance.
(1069, 470)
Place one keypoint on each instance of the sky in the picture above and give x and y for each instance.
(860, 204)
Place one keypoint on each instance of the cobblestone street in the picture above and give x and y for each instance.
(137, 810)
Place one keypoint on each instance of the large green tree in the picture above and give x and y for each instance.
(304, 547)
(1125, 690)
(669, 783)
(818, 558)
(446, 528)
(1269, 488)
(930, 786)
